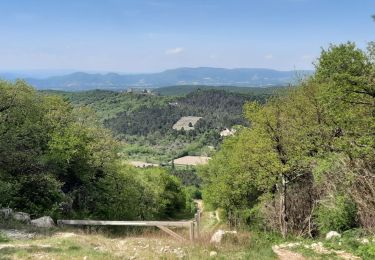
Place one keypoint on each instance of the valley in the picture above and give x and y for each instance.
(146, 122)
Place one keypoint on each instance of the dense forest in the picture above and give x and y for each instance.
(186, 89)
(144, 121)
(306, 164)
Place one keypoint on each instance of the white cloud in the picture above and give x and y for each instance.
(174, 51)
(268, 57)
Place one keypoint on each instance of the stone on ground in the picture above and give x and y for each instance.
(43, 222)
(6, 213)
(218, 236)
(22, 217)
(332, 234)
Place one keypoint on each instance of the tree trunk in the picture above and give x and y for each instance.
(283, 213)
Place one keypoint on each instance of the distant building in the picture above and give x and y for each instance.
(227, 132)
(147, 92)
(173, 104)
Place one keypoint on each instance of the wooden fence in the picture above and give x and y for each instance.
(193, 225)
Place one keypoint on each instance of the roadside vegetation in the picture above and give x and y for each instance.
(306, 164)
(300, 165)
(58, 160)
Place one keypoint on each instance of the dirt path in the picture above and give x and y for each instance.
(284, 251)
(284, 254)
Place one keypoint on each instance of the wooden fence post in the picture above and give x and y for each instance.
(197, 220)
(192, 230)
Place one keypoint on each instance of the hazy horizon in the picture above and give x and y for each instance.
(60, 72)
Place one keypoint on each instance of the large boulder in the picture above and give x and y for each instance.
(218, 236)
(22, 217)
(332, 234)
(6, 213)
(43, 222)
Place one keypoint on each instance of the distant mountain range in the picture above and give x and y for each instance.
(183, 76)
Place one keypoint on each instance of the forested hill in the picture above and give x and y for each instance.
(135, 109)
(183, 76)
(145, 121)
(181, 90)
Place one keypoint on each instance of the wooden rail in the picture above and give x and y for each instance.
(163, 225)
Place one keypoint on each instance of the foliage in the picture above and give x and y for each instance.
(188, 176)
(58, 160)
(356, 242)
(336, 213)
(182, 90)
(144, 121)
(292, 143)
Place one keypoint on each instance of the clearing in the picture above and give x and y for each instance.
(186, 123)
(191, 160)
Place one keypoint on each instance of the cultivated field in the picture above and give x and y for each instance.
(186, 123)
(192, 160)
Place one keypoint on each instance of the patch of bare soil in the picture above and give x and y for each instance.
(285, 254)
(65, 234)
(282, 250)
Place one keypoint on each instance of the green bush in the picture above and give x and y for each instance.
(7, 191)
(38, 194)
(336, 213)
(366, 251)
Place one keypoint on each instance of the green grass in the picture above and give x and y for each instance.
(3, 238)
(351, 241)
(260, 246)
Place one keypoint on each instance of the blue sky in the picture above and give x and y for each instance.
(153, 35)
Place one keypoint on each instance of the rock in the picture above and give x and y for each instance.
(213, 254)
(22, 217)
(332, 234)
(6, 213)
(291, 245)
(43, 222)
(218, 235)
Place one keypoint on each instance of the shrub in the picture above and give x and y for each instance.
(7, 191)
(336, 213)
(38, 194)
(366, 251)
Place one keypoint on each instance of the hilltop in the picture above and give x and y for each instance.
(245, 77)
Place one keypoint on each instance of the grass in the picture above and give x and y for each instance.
(352, 241)
(151, 243)
(148, 244)
(260, 246)
(3, 238)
